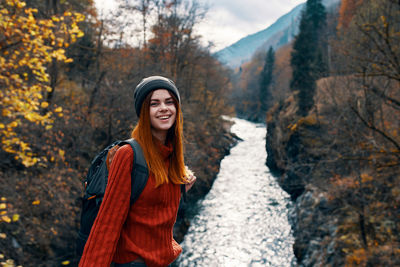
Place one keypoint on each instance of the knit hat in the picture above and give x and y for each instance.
(150, 84)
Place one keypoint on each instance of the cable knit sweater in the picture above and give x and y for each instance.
(121, 233)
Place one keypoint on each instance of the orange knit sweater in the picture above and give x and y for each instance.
(121, 233)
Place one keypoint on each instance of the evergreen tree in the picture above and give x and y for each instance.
(307, 62)
(266, 81)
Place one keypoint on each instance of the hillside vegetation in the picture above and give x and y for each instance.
(333, 130)
(67, 81)
(340, 158)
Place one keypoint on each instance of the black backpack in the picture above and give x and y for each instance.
(96, 182)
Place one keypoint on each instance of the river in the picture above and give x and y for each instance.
(243, 219)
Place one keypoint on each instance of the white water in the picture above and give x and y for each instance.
(243, 219)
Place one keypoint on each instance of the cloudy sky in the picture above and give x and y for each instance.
(227, 21)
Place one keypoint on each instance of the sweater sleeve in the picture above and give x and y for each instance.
(100, 247)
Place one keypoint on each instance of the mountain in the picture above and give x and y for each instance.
(278, 34)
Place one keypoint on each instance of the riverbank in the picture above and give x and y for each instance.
(345, 209)
(291, 147)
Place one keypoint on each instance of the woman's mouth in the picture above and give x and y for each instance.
(164, 117)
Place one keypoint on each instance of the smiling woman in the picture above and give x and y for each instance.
(141, 234)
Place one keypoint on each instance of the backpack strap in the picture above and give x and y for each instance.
(140, 171)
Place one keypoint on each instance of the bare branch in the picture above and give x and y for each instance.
(394, 102)
(372, 127)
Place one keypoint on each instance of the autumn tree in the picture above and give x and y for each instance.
(363, 106)
(246, 92)
(248, 82)
(173, 35)
(48, 9)
(28, 45)
(373, 54)
(348, 8)
(282, 74)
(85, 51)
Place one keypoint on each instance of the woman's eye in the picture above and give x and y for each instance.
(170, 102)
(154, 104)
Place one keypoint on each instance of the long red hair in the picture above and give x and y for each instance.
(142, 133)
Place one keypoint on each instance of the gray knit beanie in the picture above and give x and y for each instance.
(150, 84)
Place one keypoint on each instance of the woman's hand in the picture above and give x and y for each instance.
(191, 179)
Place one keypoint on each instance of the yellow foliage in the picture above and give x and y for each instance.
(15, 217)
(36, 202)
(28, 46)
(308, 120)
(8, 263)
(5, 218)
(44, 104)
(293, 127)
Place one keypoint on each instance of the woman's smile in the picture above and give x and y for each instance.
(164, 117)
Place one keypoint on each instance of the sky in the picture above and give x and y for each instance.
(227, 21)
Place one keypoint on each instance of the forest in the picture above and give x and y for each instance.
(330, 99)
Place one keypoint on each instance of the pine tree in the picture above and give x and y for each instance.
(266, 80)
(307, 61)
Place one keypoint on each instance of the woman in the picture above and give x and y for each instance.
(141, 234)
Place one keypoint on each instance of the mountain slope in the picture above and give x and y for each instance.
(278, 34)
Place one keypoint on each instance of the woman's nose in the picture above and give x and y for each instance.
(163, 106)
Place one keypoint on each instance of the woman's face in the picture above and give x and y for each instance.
(162, 113)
